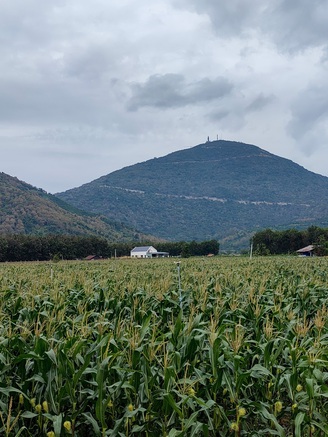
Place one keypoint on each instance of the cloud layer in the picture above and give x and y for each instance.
(88, 88)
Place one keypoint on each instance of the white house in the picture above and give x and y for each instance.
(143, 252)
(147, 252)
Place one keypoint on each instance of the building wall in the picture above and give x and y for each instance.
(144, 254)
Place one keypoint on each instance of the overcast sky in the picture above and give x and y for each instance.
(89, 87)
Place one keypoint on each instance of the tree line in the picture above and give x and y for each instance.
(56, 247)
(270, 242)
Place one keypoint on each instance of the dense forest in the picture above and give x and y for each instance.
(57, 247)
(269, 242)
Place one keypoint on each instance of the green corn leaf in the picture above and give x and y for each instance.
(57, 423)
(170, 400)
(20, 431)
(51, 354)
(298, 422)
(93, 422)
(309, 383)
(323, 426)
(267, 415)
(28, 415)
(258, 371)
(175, 433)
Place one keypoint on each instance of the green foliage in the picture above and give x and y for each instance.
(55, 247)
(27, 210)
(105, 349)
(58, 247)
(268, 241)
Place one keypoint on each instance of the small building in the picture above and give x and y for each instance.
(92, 257)
(306, 251)
(147, 252)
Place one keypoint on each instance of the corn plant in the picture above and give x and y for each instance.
(126, 347)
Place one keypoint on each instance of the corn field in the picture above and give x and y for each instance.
(232, 347)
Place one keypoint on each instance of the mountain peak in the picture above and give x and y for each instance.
(211, 190)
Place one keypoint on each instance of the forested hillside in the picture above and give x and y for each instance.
(25, 209)
(221, 189)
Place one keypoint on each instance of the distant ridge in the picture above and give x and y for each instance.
(219, 189)
(25, 209)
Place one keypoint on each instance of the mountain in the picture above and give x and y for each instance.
(219, 189)
(25, 209)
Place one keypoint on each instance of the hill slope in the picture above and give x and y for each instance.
(25, 209)
(219, 189)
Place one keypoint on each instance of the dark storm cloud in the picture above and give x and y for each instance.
(173, 91)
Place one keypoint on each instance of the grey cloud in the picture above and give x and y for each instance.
(82, 135)
(299, 24)
(218, 115)
(159, 91)
(229, 18)
(60, 101)
(74, 74)
(32, 24)
(88, 63)
(313, 144)
(29, 102)
(207, 89)
(292, 24)
(308, 111)
(232, 120)
(260, 102)
(234, 117)
(172, 91)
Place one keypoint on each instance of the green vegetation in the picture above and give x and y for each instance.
(222, 189)
(272, 242)
(109, 348)
(25, 209)
(68, 247)
(44, 248)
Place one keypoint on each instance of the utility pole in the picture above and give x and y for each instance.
(251, 249)
(179, 283)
